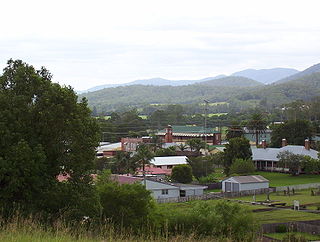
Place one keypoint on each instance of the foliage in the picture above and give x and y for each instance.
(182, 173)
(221, 219)
(295, 132)
(44, 131)
(242, 167)
(310, 165)
(258, 125)
(211, 178)
(292, 161)
(170, 151)
(201, 165)
(127, 205)
(143, 156)
(196, 144)
(234, 131)
(237, 148)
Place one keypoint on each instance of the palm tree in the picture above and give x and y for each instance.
(258, 125)
(196, 144)
(143, 157)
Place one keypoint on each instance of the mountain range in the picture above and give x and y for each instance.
(265, 76)
(236, 90)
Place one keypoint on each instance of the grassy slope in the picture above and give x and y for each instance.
(281, 236)
(281, 179)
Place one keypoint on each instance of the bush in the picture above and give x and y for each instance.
(242, 167)
(128, 205)
(182, 173)
(224, 219)
(281, 228)
(207, 179)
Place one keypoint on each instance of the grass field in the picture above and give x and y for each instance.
(281, 236)
(274, 216)
(303, 196)
(281, 179)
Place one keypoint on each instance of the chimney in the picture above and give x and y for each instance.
(307, 144)
(284, 143)
(264, 144)
(168, 135)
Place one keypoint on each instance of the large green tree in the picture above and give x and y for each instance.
(295, 132)
(238, 148)
(182, 173)
(44, 131)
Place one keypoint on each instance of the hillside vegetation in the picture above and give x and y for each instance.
(227, 89)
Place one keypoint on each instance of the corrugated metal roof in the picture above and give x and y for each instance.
(270, 154)
(169, 160)
(248, 179)
(190, 130)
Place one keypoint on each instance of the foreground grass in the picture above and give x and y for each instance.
(282, 179)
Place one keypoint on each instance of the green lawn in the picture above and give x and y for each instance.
(274, 216)
(281, 179)
(281, 236)
(303, 196)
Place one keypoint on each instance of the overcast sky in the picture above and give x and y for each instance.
(89, 43)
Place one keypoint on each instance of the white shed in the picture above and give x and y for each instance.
(244, 183)
(168, 162)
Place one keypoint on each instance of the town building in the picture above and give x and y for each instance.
(168, 162)
(244, 183)
(181, 134)
(267, 158)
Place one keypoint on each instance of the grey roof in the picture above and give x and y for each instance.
(249, 179)
(270, 154)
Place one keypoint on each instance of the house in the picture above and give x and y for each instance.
(161, 189)
(181, 134)
(244, 183)
(154, 171)
(168, 162)
(266, 158)
(108, 150)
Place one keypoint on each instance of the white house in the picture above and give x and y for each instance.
(168, 162)
(267, 158)
(244, 183)
(161, 189)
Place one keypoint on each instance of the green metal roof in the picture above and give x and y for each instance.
(190, 130)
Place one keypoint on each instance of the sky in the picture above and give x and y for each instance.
(90, 43)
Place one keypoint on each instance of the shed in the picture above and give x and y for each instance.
(168, 162)
(244, 183)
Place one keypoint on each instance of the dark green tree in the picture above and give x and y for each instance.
(182, 173)
(44, 131)
(201, 165)
(257, 125)
(242, 167)
(196, 144)
(295, 132)
(234, 131)
(237, 148)
(143, 156)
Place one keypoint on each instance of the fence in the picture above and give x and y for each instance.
(298, 187)
(248, 192)
(207, 196)
(311, 227)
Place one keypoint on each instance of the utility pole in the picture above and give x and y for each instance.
(205, 124)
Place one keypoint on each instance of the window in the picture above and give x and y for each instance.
(164, 191)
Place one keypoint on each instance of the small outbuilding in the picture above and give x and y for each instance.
(244, 183)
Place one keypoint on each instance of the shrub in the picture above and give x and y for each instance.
(242, 167)
(182, 173)
(281, 228)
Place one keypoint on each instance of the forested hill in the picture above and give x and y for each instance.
(232, 81)
(137, 95)
(109, 99)
(308, 71)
